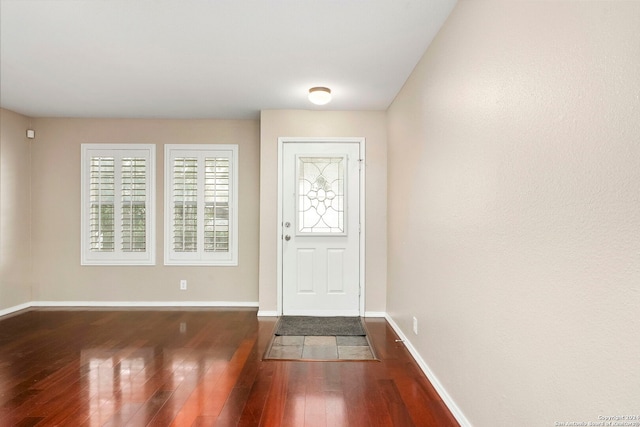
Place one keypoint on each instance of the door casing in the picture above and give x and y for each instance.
(280, 226)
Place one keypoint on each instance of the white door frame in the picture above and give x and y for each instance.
(280, 226)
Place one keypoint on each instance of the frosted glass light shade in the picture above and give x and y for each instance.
(320, 95)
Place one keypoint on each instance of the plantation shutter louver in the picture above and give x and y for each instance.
(102, 192)
(185, 212)
(201, 205)
(134, 194)
(216, 199)
(118, 185)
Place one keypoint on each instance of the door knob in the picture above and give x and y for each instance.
(287, 237)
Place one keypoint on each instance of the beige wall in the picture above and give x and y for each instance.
(58, 275)
(298, 123)
(15, 241)
(514, 210)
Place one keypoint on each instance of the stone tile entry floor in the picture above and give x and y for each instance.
(320, 348)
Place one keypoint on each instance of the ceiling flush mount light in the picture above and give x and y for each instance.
(320, 95)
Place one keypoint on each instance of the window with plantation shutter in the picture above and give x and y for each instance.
(201, 205)
(118, 198)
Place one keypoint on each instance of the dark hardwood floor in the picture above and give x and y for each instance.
(196, 368)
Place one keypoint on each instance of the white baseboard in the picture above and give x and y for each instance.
(143, 304)
(268, 313)
(455, 410)
(274, 313)
(15, 308)
(116, 304)
(375, 314)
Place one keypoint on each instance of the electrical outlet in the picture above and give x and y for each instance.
(415, 326)
(183, 285)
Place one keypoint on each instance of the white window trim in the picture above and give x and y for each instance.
(118, 257)
(200, 258)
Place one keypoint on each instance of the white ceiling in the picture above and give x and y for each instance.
(207, 58)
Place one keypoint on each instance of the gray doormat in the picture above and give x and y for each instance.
(319, 326)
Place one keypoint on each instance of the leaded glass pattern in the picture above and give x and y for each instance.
(321, 198)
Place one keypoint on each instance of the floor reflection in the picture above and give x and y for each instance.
(144, 377)
(194, 367)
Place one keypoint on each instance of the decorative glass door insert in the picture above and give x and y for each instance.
(321, 195)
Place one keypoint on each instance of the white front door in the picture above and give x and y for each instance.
(321, 228)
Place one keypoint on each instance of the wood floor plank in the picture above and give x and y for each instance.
(197, 367)
(315, 400)
(276, 396)
(395, 406)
